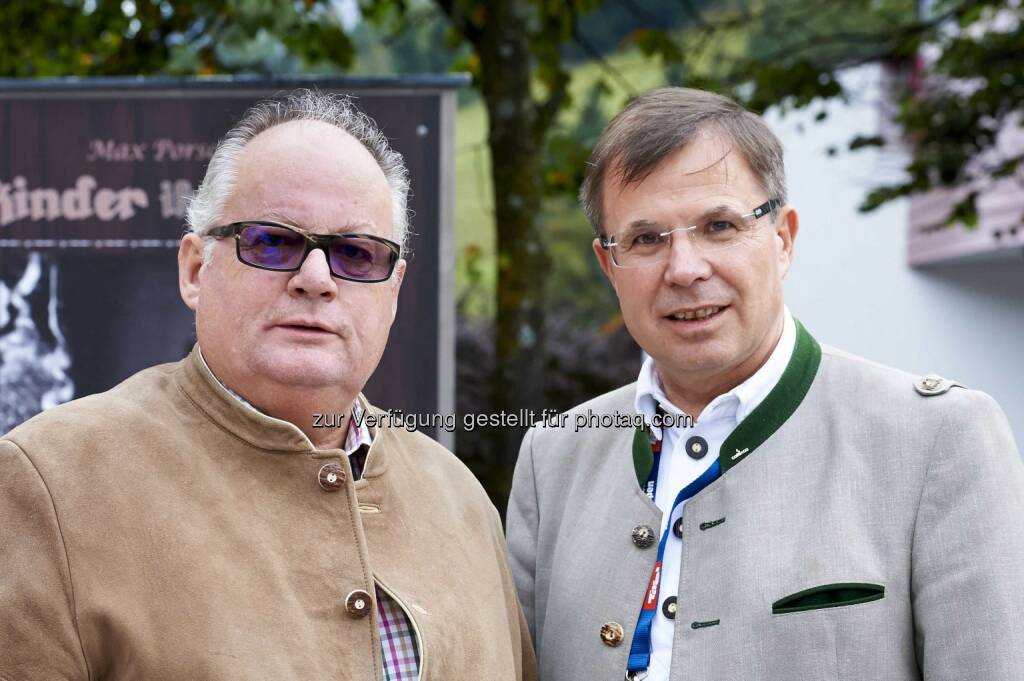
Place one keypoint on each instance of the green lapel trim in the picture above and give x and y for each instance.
(778, 406)
(761, 423)
(643, 458)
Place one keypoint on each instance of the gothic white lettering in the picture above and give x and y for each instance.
(80, 202)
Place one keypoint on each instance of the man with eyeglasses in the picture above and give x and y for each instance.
(787, 511)
(195, 523)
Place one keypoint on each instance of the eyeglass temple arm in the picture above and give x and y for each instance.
(766, 207)
(226, 230)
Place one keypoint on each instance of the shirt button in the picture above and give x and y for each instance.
(668, 607)
(331, 477)
(643, 536)
(358, 603)
(696, 447)
(677, 527)
(612, 634)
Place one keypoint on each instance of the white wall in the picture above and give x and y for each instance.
(850, 284)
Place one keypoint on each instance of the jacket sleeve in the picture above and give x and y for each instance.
(38, 633)
(967, 580)
(521, 524)
(522, 644)
(529, 657)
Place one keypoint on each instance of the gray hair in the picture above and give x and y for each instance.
(658, 123)
(206, 205)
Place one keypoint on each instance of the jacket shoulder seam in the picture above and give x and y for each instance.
(924, 488)
(533, 474)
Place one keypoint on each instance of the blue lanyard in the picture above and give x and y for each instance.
(640, 650)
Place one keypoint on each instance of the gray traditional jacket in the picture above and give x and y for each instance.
(862, 530)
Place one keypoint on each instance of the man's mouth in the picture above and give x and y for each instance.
(697, 314)
(304, 327)
(300, 327)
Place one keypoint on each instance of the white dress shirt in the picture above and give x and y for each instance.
(677, 469)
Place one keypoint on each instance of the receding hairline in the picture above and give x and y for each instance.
(293, 127)
(657, 124)
(617, 179)
(205, 207)
(261, 138)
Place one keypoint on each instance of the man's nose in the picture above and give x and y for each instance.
(313, 277)
(686, 264)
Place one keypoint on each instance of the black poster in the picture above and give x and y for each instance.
(94, 178)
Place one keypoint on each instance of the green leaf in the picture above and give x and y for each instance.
(880, 196)
(1007, 168)
(965, 211)
(861, 141)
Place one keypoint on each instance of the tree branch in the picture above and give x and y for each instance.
(548, 109)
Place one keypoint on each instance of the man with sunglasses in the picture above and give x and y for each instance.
(195, 523)
(786, 510)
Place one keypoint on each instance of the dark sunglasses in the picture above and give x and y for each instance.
(281, 248)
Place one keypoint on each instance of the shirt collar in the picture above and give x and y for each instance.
(745, 396)
(354, 439)
(360, 435)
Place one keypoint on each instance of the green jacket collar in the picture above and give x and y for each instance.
(768, 417)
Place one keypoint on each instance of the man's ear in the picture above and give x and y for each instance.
(190, 262)
(787, 227)
(604, 259)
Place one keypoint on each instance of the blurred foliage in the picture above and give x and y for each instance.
(47, 38)
(967, 90)
(960, 86)
(960, 63)
(422, 42)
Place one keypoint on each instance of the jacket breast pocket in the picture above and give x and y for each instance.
(828, 596)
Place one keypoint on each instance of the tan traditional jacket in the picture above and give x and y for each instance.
(163, 531)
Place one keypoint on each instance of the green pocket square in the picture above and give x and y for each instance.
(828, 596)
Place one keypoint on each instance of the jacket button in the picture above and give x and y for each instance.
(643, 536)
(331, 477)
(358, 603)
(696, 447)
(668, 607)
(612, 634)
(677, 527)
